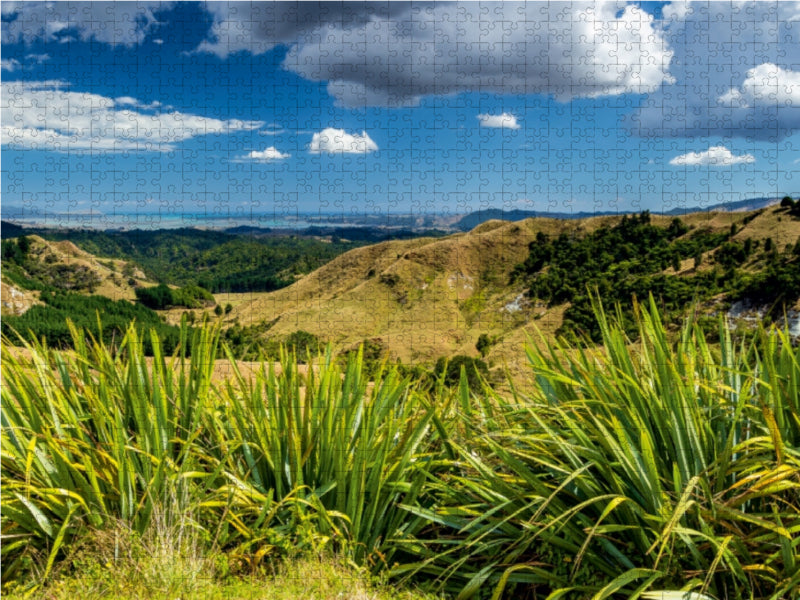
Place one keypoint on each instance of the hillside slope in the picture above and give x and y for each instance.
(64, 266)
(425, 298)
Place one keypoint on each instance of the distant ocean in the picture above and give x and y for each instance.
(142, 220)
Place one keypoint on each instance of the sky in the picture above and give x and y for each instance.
(238, 109)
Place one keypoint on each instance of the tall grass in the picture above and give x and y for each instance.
(668, 464)
(632, 467)
(99, 436)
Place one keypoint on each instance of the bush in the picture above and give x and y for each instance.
(161, 297)
(475, 369)
(302, 343)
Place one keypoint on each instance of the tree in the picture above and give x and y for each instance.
(228, 308)
(218, 310)
(24, 245)
(787, 202)
(302, 342)
(483, 344)
(157, 298)
(474, 368)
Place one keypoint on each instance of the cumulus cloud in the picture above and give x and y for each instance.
(114, 23)
(502, 121)
(45, 115)
(765, 84)
(395, 53)
(715, 156)
(757, 97)
(338, 141)
(268, 155)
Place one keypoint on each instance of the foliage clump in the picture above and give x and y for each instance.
(449, 370)
(630, 259)
(161, 296)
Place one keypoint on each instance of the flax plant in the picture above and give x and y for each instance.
(353, 448)
(659, 465)
(94, 437)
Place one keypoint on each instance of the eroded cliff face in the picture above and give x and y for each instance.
(15, 301)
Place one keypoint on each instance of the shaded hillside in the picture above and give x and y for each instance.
(34, 264)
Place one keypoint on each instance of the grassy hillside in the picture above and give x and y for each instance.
(419, 299)
(35, 264)
(215, 260)
(424, 298)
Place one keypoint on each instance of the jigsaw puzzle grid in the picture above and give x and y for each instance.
(167, 114)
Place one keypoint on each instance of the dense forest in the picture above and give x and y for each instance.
(214, 260)
(633, 258)
(103, 318)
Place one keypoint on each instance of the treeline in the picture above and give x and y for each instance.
(214, 260)
(102, 317)
(161, 296)
(630, 259)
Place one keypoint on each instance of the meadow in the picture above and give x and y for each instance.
(650, 463)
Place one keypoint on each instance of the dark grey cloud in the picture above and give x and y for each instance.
(113, 23)
(395, 53)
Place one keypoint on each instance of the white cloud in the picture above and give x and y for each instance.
(753, 96)
(765, 84)
(114, 23)
(502, 121)
(675, 12)
(395, 53)
(10, 64)
(272, 129)
(716, 156)
(338, 141)
(38, 58)
(268, 155)
(42, 115)
(128, 101)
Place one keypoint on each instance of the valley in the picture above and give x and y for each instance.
(419, 299)
(410, 407)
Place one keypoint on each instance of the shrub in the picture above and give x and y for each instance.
(450, 370)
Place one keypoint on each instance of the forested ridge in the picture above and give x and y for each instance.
(634, 258)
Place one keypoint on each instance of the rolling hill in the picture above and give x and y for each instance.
(424, 298)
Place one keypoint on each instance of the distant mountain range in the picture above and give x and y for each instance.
(402, 224)
(473, 219)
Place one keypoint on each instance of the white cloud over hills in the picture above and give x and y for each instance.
(45, 115)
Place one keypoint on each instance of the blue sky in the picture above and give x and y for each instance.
(284, 108)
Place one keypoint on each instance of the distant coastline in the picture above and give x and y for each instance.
(122, 221)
